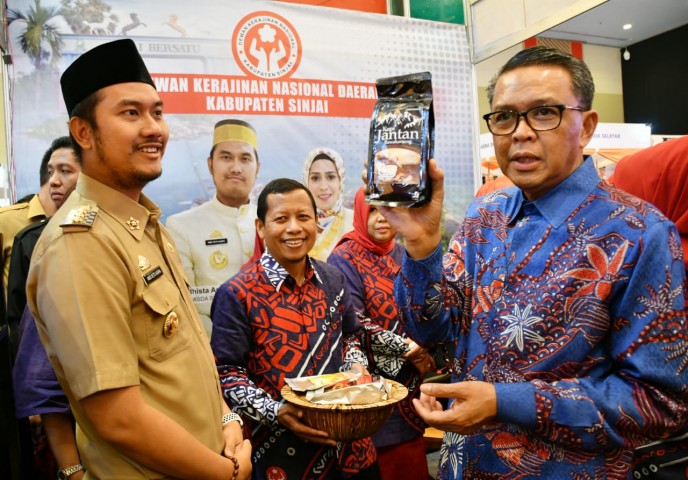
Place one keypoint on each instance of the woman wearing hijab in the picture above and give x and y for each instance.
(370, 259)
(659, 175)
(323, 174)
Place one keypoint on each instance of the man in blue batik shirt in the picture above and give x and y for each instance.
(565, 297)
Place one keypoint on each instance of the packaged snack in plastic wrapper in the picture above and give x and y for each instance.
(354, 395)
(357, 380)
(402, 135)
(315, 382)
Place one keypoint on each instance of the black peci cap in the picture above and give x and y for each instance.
(107, 64)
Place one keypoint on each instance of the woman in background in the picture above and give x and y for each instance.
(323, 174)
(370, 259)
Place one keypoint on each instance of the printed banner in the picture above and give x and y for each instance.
(303, 76)
(238, 95)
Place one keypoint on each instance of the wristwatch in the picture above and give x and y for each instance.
(231, 417)
(65, 473)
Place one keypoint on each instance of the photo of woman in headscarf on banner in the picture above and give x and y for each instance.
(323, 174)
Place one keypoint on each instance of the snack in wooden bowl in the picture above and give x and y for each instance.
(347, 422)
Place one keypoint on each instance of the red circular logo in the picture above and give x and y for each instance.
(266, 45)
(275, 473)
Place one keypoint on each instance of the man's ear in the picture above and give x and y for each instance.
(82, 132)
(210, 165)
(260, 229)
(590, 119)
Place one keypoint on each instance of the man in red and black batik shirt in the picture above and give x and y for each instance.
(283, 316)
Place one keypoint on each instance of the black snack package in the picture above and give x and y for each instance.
(402, 136)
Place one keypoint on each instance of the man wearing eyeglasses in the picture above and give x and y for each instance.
(564, 296)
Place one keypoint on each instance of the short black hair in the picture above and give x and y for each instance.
(58, 143)
(581, 78)
(280, 185)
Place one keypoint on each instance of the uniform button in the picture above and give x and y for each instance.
(246, 252)
(242, 230)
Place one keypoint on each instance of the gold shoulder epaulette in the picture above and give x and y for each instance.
(82, 216)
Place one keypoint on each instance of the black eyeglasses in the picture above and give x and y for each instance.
(540, 119)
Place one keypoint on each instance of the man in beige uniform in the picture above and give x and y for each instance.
(215, 239)
(14, 218)
(106, 288)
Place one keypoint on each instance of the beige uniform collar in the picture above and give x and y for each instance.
(131, 215)
(36, 210)
(233, 212)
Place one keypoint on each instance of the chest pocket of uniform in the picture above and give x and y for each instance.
(167, 327)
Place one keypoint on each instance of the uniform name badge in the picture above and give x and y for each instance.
(152, 276)
(215, 241)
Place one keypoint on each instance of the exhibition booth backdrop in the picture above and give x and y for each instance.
(609, 144)
(303, 76)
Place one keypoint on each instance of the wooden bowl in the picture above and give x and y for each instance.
(347, 422)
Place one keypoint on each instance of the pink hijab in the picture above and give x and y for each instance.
(659, 174)
(360, 232)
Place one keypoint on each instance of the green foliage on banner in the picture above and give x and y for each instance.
(39, 40)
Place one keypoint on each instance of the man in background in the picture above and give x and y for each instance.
(25, 212)
(215, 239)
(62, 167)
(14, 220)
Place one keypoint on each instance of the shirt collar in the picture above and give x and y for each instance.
(277, 274)
(231, 211)
(560, 202)
(36, 210)
(133, 216)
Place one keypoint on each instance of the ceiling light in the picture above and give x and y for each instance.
(627, 26)
(626, 54)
